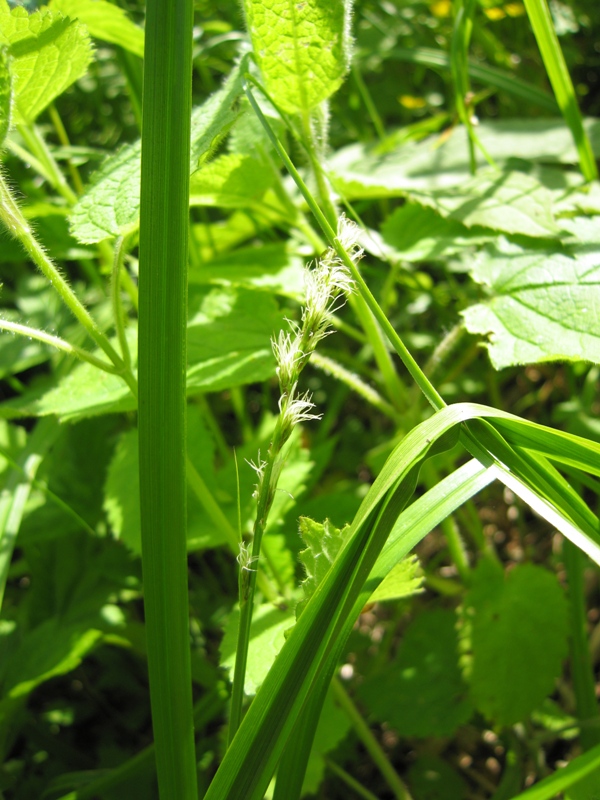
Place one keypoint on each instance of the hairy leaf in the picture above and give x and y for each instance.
(302, 48)
(5, 95)
(112, 203)
(545, 305)
(49, 52)
(104, 21)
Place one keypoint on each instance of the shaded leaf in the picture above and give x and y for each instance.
(422, 692)
(512, 202)
(232, 180)
(432, 778)
(514, 639)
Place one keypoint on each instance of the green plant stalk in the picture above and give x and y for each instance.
(12, 217)
(164, 216)
(489, 76)
(556, 67)
(368, 101)
(370, 743)
(121, 249)
(350, 379)
(411, 365)
(64, 140)
(17, 488)
(36, 143)
(351, 782)
(582, 670)
(60, 344)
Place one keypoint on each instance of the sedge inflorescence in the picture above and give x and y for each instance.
(327, 283)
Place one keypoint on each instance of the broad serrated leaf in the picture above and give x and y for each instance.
(229, 337)
(404, 580)
(323, 541)
(232, 180)
(267, 637)
(513, 638)
(302, 49)
(422, 692)
(104, 21)
(512, 202)
(5, 95)
(362, 171)
(277, 267)
(48, 650)
(229, 344)
(544, 305)
(417, 233)
(111, 205)
(48, 53)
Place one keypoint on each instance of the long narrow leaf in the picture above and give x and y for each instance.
(162, 404)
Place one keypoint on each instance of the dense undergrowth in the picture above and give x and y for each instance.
(392, 463)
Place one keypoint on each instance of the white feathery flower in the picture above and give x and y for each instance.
(245, 559)
(348, 235)
(297, 409)
(260, 471)
(287, 353)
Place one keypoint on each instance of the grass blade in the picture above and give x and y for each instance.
(162, 404)
(556, 67)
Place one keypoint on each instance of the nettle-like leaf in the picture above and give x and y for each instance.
(267, 637)
(416, 233)
(5, 95)
(111, 205)
(104, 21)
(48, 650)
(48, 53)
(422, 692)
(229, 344)
(302, 49)
(513, 638)
(232, 180)
(277, 267)
(512, 202)
(544, 305)
(323, 542)
(404, 580)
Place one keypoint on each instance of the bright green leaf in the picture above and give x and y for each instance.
(324, 541)
(112, 203)
(232, 180)
(267, 637)
(512, 202)
(104, 21)
(302, 49)
(514, 639)
(417, 233)
(545, 306)
(404, 580)
(271, 266)
(49, 52)
(5, 95)
(422, 692)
